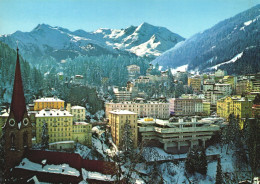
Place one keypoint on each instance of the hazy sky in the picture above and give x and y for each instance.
(185, 17)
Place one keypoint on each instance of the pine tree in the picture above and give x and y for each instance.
(45, 136)
(190, 161)
(128, 143)
(202, 164)
(219, 177)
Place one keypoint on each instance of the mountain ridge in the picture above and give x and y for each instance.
(143, 40)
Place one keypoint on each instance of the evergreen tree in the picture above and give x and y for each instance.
(45, 136)
(219, 177)
(191, 160)
(202, 164)
(128, 143)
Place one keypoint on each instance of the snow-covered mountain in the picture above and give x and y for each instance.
(60, 43)
(226, 45)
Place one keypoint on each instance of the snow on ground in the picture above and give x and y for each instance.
(60, 169)
(83, 151)
(100, 145)
(182, 68)
(234, 59)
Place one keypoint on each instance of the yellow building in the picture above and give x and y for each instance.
(240, 106)
(206, 108)
(78, 112)
(82, 133)
(48, 102)
(59, 125)
(117, 121)
(195, 83)
(232, 80)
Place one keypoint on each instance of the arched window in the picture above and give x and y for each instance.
(25, 139)
(12, 141)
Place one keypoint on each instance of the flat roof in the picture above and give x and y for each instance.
(121, 112)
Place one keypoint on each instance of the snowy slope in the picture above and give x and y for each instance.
(217, 45)
(60, 43)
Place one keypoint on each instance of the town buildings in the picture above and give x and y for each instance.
(241, 107)
(63, 126)
(154, 109)
(186, 105)
(78, 112)
(117, 122)
(59, 124)
(195, 83)
(48, 102)
(175, 137)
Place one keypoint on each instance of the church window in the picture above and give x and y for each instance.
(12, 141)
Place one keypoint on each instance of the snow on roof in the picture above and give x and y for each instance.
(121, 112)
(5, 114)
(77, 107)
(48, 99)
(53, 113)
(64, 169)
(62, 142)
(81, 123)
(96, 176)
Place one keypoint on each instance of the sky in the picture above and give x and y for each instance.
(184, 17)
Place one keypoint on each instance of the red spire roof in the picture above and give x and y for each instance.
(18, 106)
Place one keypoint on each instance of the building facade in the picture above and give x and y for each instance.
(175, 137)
(59, 124)
(185, 106)
(117, 122)
(78, 112)
(240, 106)
(154, 109)
(48, 102)
(82, 133)
(195, 83)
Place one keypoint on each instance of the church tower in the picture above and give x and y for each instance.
(18, 128)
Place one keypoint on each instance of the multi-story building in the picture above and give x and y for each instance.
(117, 122)
(220, 73)
(122, 94)
(59, 123)
(78, 112)
(175, 137)
(208, 84)
(213, 96)
(142, 79)
(60, 127)
(48, 102)
(206, 108)
(225, 88)
(241, 86)
(81, 132)
(254, 83)
(240, 106)
(185, 106)
(133, 71)
(154, 109)
(232, 80)
(195, 83)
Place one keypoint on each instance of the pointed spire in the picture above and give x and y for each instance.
(18, 106)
